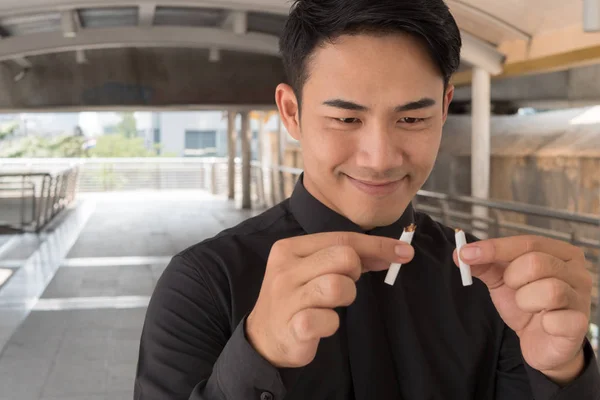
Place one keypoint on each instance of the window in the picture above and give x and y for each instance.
(200, 143)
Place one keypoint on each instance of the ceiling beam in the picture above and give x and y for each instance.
(69, 22)
(20, 7)
(480, 54)
(475, 51)
(45, 43)
(146, 14)
(214, 55)
(556, 62)
(22, 62)
(80, 57)
(512, 31)
(236, 21)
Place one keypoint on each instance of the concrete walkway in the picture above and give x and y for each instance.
(71, 314)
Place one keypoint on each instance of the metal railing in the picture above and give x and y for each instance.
(30, 198)
(507, 218)
(270, 185)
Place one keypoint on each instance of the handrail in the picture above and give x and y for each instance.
(50, 192)
(530, 209)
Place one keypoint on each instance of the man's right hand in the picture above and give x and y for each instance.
(306, 278)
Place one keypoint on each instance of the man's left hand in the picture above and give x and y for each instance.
(542, 290)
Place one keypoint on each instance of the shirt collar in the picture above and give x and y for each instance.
(315, 217)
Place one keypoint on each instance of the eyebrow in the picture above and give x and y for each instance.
(425, 102)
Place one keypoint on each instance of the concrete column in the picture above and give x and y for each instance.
(591, 15)
(281, 134)
(480, 144)
(260, 187)
(231, 150)
(246, 133)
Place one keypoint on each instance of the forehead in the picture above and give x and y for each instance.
(380, 68)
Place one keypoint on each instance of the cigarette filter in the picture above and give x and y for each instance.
(407, 236)
(465, 269)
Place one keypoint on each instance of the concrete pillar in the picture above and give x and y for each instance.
(591, 15)
(480, 144)
(281, 132)
(246, 133)
(260, 155)
(231, 150)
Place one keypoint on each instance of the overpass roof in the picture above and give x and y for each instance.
(503, 37)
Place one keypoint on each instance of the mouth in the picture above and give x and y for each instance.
(377, 188)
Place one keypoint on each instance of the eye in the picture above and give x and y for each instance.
(411, 121)
(347, 120)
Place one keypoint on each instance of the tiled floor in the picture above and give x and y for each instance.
(71, 330)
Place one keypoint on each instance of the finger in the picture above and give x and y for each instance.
(490, 274)
(342, 260)
(314, 323)
(546, 294)
(327, 291)
(339, 260)
(534, 266)
(510, 248)
(366, 246)
(570, 324)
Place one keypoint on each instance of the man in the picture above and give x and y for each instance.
(293, 305)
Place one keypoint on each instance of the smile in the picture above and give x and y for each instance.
(378, 189)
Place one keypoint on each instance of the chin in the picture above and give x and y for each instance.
(376, 216)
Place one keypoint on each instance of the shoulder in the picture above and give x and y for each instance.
(239, 252)
(272, 223)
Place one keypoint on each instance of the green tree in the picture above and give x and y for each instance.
(35, 146)
(120, 146)
(128, 126)
(8, 129)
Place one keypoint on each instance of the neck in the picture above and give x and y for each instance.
(312, 188)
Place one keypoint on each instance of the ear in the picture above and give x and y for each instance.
(287, 103)
(448, 96)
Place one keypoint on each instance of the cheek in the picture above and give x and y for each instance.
(328, 149)
(422, 151)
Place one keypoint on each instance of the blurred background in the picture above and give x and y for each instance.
(132, 129)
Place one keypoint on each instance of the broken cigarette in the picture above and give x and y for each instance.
(407, 236)
(465, 269)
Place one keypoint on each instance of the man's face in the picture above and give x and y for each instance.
(370, 125)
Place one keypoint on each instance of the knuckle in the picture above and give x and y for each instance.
(558, 293)
(342, 239)
(350, 293)
(536, 266)
(381, 248)
(303, 325)
(346, 256)
(332, 287)
(334, 324)
(280, 246)
(579, 254)
(588, 281)
(581, 322)
(279, 250)
(532, 243)
(279, 282)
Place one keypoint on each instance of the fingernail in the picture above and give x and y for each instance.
(470, 253)
(404, 250)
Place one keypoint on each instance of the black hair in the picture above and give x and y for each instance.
(313, 22)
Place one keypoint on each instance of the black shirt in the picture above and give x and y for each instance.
(427, 337)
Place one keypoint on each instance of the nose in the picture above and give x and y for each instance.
(378, 150)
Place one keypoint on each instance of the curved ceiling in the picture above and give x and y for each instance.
(495, 32)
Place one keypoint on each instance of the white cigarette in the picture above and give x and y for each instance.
(465, 269)
(407, 236)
